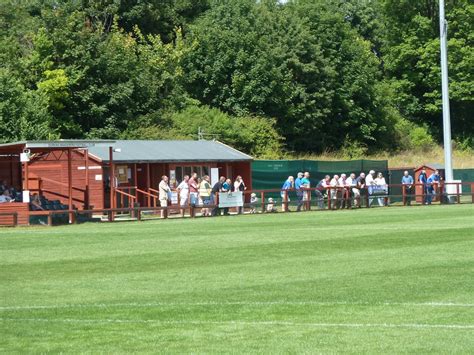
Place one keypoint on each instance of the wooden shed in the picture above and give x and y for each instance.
(79, 173)
(430, 169)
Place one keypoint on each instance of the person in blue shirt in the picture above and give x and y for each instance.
(407, 181)
(285, 189)
(422, 178)
(432, 184)
(299, 192)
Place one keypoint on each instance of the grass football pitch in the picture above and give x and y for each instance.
(385, 280)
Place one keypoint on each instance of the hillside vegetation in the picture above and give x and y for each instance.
(269, 77)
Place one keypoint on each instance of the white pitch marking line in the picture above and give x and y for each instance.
(237, 303)
(250, 323)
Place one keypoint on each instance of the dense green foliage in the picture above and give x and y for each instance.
(303, 76)
(281, 283)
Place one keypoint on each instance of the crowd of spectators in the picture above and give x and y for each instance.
(197, 191)
(341, 190)
(9, 193)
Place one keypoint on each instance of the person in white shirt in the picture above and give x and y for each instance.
(183, 190)
(334, 183)
(5, 197)
(343, 201)
(380, 181)
(370, 183)
(350, 183)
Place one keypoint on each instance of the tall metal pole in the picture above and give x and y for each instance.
(443, 29)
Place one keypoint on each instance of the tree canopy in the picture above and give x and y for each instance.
(265, 76)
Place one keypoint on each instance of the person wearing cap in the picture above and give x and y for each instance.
(299, 191)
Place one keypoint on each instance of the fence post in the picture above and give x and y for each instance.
(286, 201)
(457, 191)
(262, 197)
(329, 199)
(50, 219)
(367, 198)
(15, 219)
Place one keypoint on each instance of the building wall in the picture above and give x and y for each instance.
(54, 166)
(10, 170)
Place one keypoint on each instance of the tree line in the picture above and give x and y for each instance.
(266, 76)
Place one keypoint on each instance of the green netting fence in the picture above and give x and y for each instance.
(271, 174)
(465, 175)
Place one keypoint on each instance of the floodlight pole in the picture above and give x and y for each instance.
(443, 29)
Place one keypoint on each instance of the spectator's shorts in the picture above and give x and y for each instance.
(164, 203)
(193, 196)
(283, 196)
(206, 200)
(356, 192)
(183, 200)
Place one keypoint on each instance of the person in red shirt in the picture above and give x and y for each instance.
(193, 189)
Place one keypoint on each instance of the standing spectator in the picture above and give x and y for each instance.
(350, 184)
(433, 183)
(215, 196)
(358, 189)
(299, 191)
(253, 203)
(287, 186)
(239, 186)
(306, 184)
(193, 189)
(382, 188)
(164, 191)
(334, 183)
(423, 179)
(343, 190)
(322, 190)
(205, 194)
(183, 191)
(226, 187)
(370, 183)
(407, 182)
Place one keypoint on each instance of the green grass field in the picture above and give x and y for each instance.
(364, 281)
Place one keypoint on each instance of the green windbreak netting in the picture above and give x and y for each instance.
(465, 175)
(271, 174)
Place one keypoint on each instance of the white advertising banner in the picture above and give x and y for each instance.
(233, 199)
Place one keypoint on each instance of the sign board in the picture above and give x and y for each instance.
(26, 196)
(233, 199)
